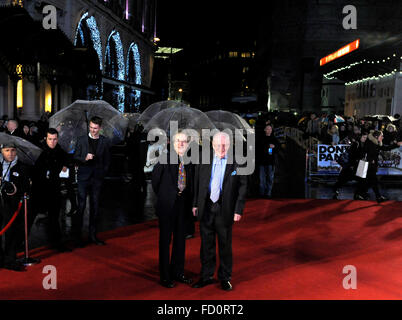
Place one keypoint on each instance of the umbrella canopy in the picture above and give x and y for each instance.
(27, 152)
(338, 119)
(226, 117)
(335, 118)
(72, 122)
(154, 108)
(380, 117)
(224, 125)
(132, 119)
(186, 117)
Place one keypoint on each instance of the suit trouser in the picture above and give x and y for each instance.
(370, 181)
(172, 226)
(53, 209)
(14, 236)
(267, 173)
(212, 225)
(91, 186)
(346, 174)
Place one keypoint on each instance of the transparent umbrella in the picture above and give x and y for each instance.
(154, 108)
(72, 122)
(27, 152)
(132, 119)
(222, 126)
(186, 117)
(227, 117)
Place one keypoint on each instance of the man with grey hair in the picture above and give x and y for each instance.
(12, 127)
(219, 198)
(172, 183)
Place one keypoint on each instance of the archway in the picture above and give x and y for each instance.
(133, 73)
(114, 68)
(87, 35)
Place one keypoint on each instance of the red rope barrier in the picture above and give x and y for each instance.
(12, 219)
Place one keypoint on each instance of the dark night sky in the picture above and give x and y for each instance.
(188, 22)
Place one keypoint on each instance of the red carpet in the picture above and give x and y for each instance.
(283, 249)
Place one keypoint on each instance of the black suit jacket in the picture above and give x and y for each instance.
(102, 158)
(233, 194)
(19, 176)
(164, 184)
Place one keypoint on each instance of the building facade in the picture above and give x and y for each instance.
(101, 49)
(303, 31)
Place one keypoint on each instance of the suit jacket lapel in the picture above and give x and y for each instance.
(228, 171)
(99, 146)
(174, 173)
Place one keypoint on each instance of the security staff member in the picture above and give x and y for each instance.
(14, 182)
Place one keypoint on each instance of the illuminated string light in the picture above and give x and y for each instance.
(94, 33)
(137, 66)
(115, 35)
(329, 75)
(385, 75)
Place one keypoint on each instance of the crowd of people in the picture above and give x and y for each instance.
(43, 180)
(367, 139)
(185, 193)
(212, 193)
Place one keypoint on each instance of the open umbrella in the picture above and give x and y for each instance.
(132, 119)
(338, 119)
(73, 121)
(27, 152)
(225, 116)
(154, 108)
(380, 117)
(186, 117)
(228, 120)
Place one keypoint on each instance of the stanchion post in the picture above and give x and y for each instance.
(27, 261)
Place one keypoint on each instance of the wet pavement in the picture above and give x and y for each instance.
(124, 203)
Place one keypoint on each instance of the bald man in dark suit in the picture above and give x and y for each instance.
(219, 198)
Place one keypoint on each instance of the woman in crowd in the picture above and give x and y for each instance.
(372, 150)
(355, 152)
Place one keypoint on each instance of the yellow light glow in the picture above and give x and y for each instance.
(19, 94)
(18, 69)
(180, 90)
(48, 104)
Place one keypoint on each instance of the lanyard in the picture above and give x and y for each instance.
(8, 170)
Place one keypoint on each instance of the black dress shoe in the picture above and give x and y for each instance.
(189, 236)
(97, 241)
(226, 285)
(14, 266)
(381, 199)
(202, 283)
(336, 194)
(167, 283)
(358, 197)
(184, 279)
